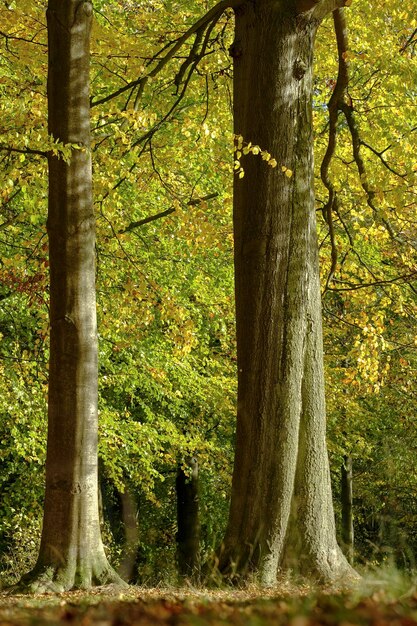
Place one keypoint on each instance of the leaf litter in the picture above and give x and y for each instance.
(280, 606)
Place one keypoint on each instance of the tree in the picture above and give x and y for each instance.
(281, 511)
(290, 335)
(71, 552)
(158, 318)
(346, 489)
(188, 523)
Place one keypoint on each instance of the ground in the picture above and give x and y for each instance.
(285, 605)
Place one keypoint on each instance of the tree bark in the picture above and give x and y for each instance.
(347, 507)
(131, 535)
(188, 522)
(71, 552)
(281, 513)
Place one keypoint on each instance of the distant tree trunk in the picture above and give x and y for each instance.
(71, 552)
(131, 534)
(188, 533)
(120, 510)
(281, 513)
(347, 508)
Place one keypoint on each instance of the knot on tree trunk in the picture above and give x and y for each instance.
(299, 69)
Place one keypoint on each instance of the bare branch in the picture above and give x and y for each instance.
(211, 16)
(343, 320)
(410, 41)
(334, 106)
(405, 278)
(321, 7)
(7, 36)
(360, 164)
(383, 161)
(196, 201)
(194, 52)
(146, 220)
(23, 151)
(149, 134)
(158, 216)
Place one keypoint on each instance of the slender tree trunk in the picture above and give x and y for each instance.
(71, 552)
(188, 532)
(347, 507)
(131, 534)
(281, 512)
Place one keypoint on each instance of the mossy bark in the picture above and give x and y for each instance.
(281, 514)
(71, 552)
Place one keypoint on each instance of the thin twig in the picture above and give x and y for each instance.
(405, 278)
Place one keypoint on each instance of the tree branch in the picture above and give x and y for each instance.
(383, 161)
(211, 16)
(405, 278)
(321, 7)
(23, 151)
(146, 220)
(410, 41)
(153, 218)
(360, 164)
(149, 134)
(334, 106)
(7, 36)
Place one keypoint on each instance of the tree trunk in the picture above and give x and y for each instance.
(131, 535)
(281, 512)
(71, 552)
(347, 507)
(188, 532)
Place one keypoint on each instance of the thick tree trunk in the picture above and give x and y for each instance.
(188, 522)
(347, 507)
(281, 512)
(71, 553)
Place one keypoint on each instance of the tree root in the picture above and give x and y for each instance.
(58, 579)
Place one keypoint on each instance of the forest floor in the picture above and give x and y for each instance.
(379, 605)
